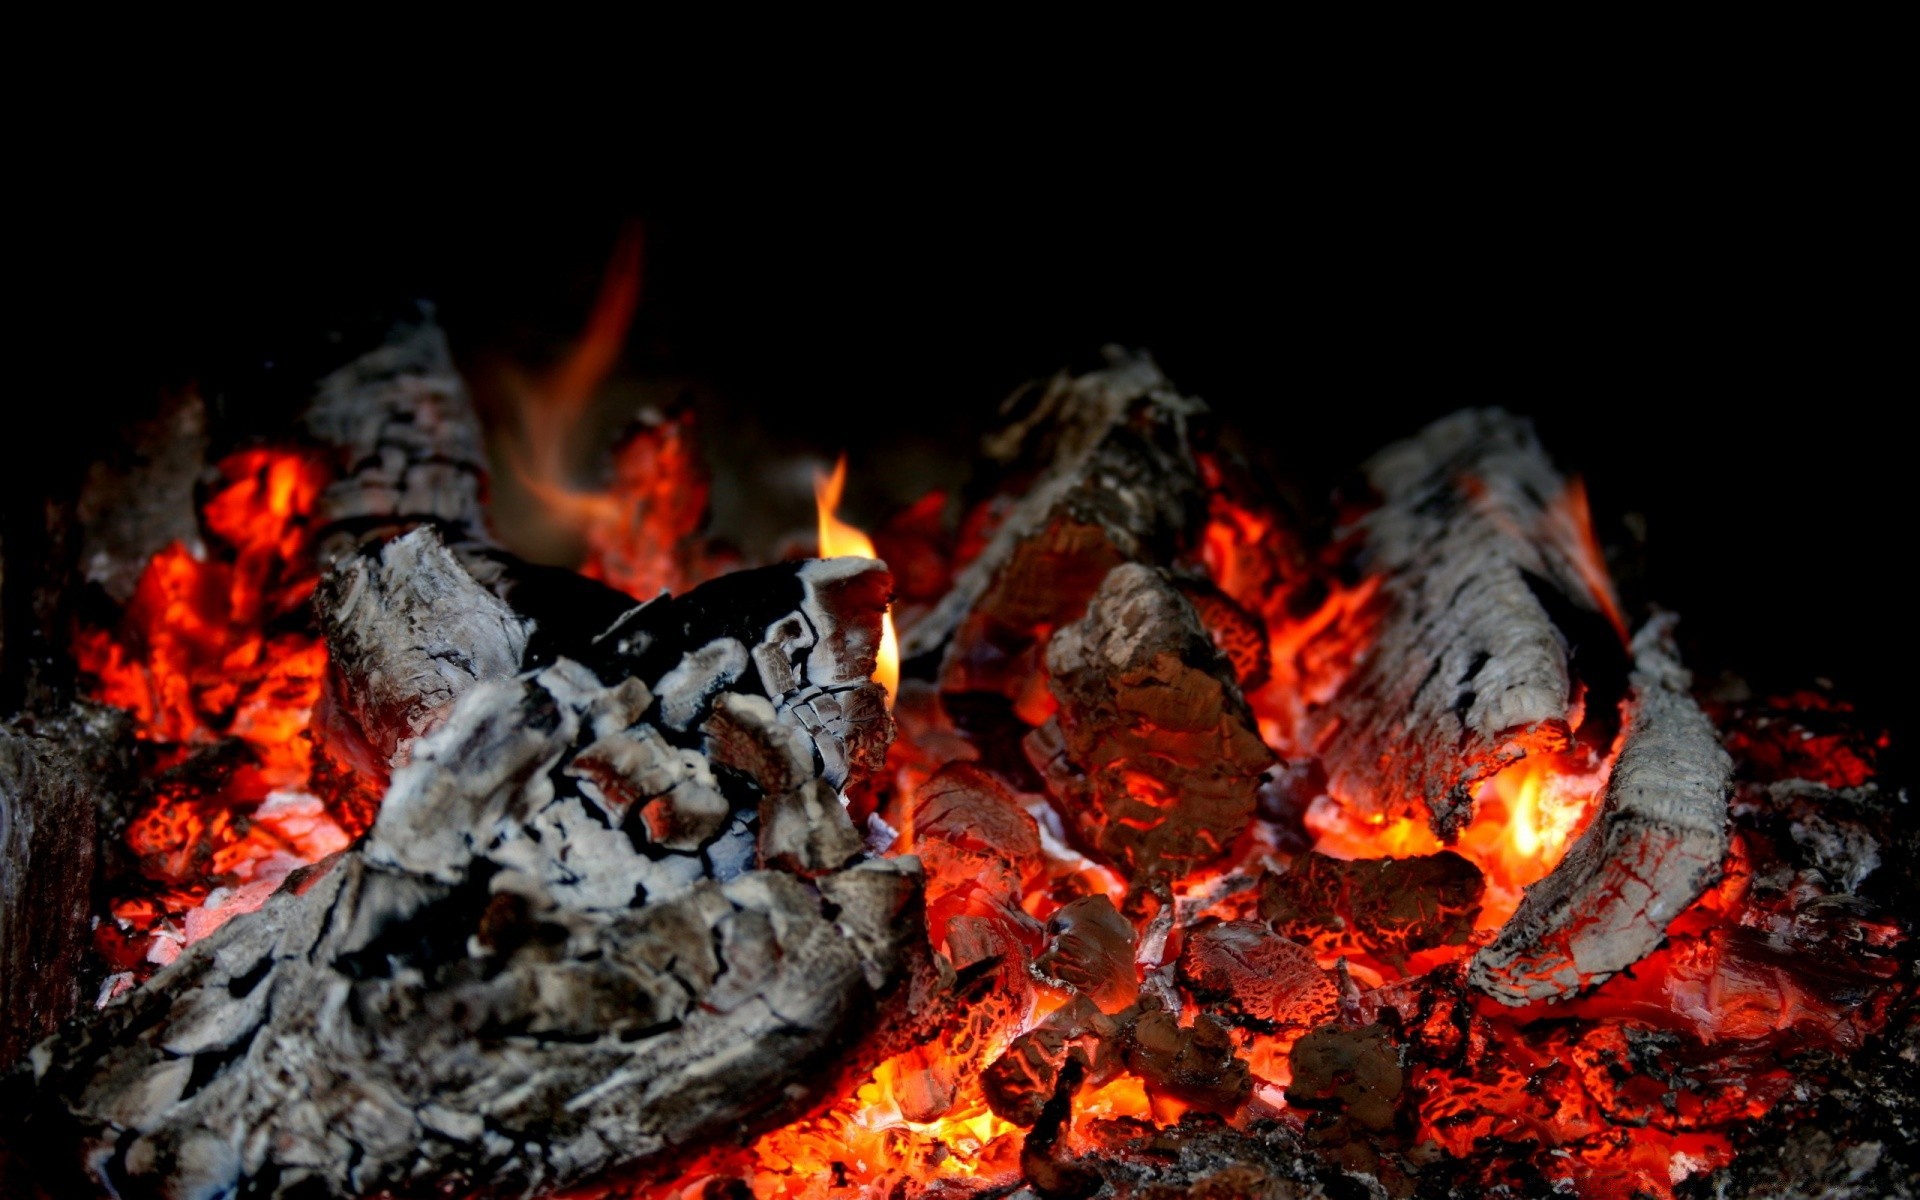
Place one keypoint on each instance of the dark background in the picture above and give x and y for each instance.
(1712, 353)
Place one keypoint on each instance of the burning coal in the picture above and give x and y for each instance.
(1182, 856)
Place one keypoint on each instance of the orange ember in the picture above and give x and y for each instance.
(214, 660)
(838, 538)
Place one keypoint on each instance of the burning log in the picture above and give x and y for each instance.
(508, 984)
(1153, 755)
(1119, 484)
(1491, 588)
(1655, 848)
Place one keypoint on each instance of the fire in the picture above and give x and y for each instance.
(221, 678)
(839, 538)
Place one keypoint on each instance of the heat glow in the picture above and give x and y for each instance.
(838, 538)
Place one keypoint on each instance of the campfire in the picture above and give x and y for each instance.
(1109, 829)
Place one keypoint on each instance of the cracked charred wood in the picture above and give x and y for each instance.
(1153, 753)
(1246, 973)
(1491, 590)
(804, 635)
(1389, 907)
(1090, 952)
(1118, 484)
(505, 987)
(408, 633)
(405, 442)
(53, 774)
(1655, 847)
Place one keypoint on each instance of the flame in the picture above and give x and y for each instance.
(839, 538)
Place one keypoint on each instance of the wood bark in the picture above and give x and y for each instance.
(406, 444)
(1153, 755)
(1118, 483)
(1656, 845)
(1490, 592)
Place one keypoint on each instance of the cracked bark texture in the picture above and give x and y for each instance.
(1107, 477)
(505, 986)
(1655, 847)
(1153, 755)
(1490, 588)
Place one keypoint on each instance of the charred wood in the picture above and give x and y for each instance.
(1656, 845)
(1390, 907)
(1489, 591)
(1118, 484)
(1153, 754)
(500, 987)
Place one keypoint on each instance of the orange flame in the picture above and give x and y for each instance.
(839, 538)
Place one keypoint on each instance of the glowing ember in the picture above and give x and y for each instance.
(213, 659)
(839, 538)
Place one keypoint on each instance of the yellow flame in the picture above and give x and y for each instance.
(838, 538)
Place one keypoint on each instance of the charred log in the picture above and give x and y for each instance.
(1119, 484)
(405, 442)
(1153, 755)
(52, 780)
(1490, 591)
(1654, 848)
(479, 993)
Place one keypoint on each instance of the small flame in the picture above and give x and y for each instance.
(839, 538)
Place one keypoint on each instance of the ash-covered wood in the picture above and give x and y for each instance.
(405, 442)
(1116, 482)
(409, 632)
(1489, 586)
(1389, 907)
(52, 779)
(805, 635)
(1656, 845)
(1153, 754)
(499, 989)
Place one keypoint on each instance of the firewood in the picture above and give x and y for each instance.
(1090, 952)
(1655, 847)
(1489, 589)
(405, 442)
(1153, 754)
(409, 632)
(52, 783)
(497, 988)
(1118, 483)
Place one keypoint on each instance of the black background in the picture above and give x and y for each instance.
(1712, 346)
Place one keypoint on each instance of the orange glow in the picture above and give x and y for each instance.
(838, 538)
(1524, 818)
(207, 655)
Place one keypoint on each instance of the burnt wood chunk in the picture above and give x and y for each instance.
(1246, 973)
(408, 633)
(1108, 477)
(406, 444)
(804, 635)
(807, 831)
(968, 828)
(1153, 755)
(1655, 847)
(1090, 952)
(1388, 907)
(1489, 580)
(495, 986)
(50, 792)
(1195, 1063)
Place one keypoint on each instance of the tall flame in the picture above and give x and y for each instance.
(838, 538)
